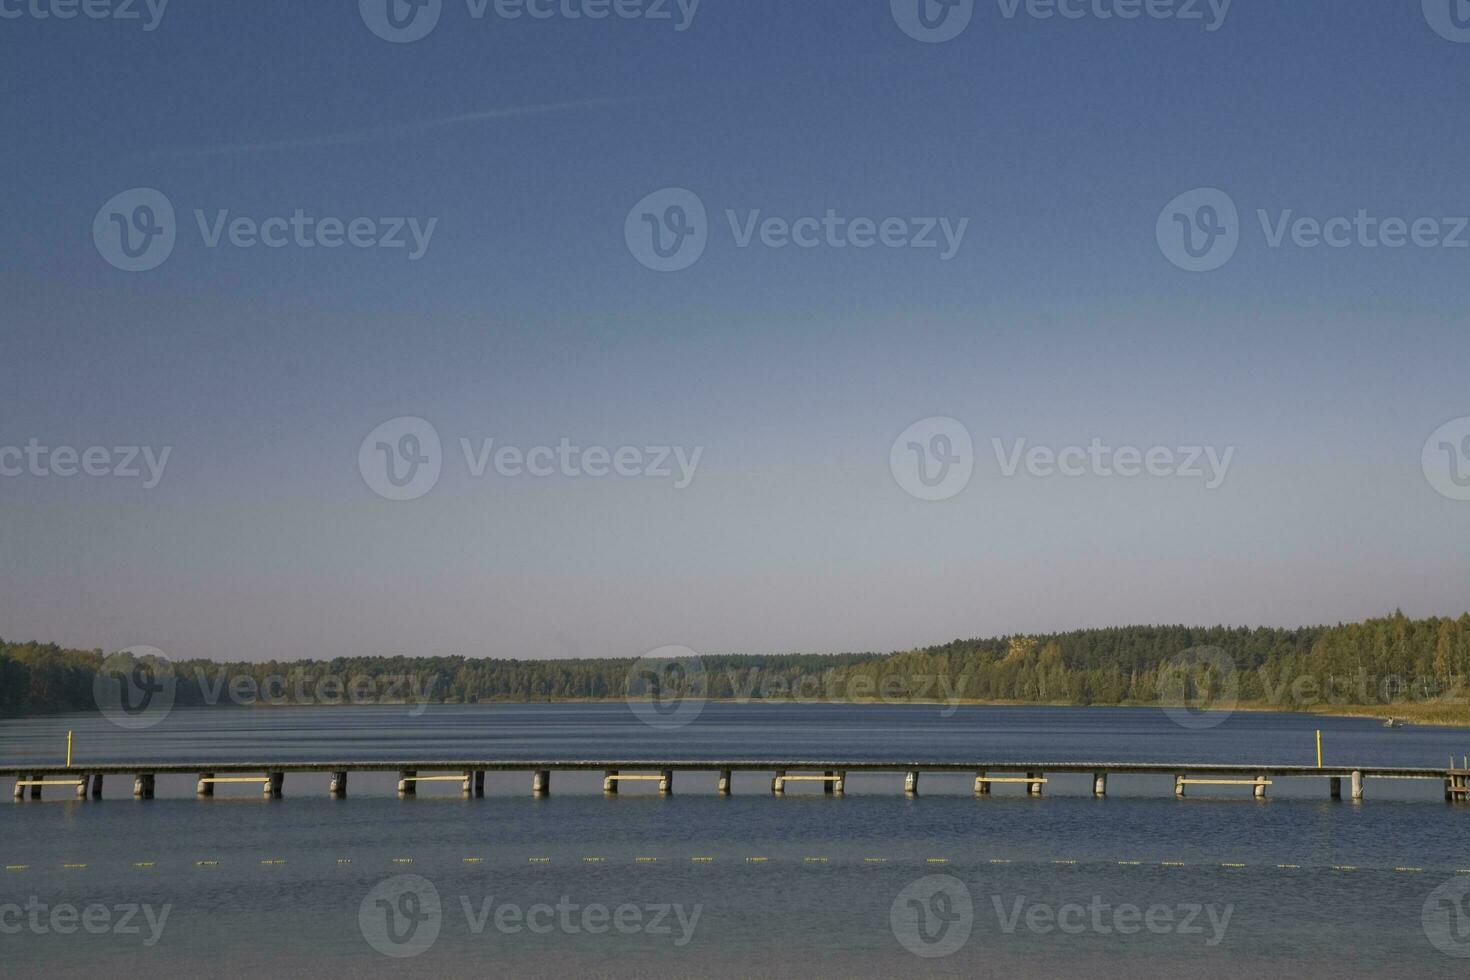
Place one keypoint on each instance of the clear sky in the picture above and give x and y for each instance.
(531, 317)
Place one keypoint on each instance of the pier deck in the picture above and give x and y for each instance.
(87, 779)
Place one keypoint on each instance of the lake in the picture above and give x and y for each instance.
(870, 884)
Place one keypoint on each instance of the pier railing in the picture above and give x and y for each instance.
(86, 780)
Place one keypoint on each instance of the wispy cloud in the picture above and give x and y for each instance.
(397, 131)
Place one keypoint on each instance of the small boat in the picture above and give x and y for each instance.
(1393, 723)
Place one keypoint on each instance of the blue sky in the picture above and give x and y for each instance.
(528, 319)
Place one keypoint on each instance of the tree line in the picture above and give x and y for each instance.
(1384, 660)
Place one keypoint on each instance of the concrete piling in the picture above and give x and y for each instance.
(666, 782)
(205, 787)
(1260, 792)
(982, 785)
(337, 789)
(1335, 787)
(541, 782)
(778, 782)
(911, 783)
(1357, 784)
(479, 783)
(96, 786)
(274, 785)
(407, 784)
(143, 786)
(723, 786)
(609, 782)
(1099, 784)
(1033, 787)
(1179, 784)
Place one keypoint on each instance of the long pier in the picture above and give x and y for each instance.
(86, 781)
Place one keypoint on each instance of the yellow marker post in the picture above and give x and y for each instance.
(68, 748)
(1319, 748)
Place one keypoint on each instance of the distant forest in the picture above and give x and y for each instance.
(1381, 661)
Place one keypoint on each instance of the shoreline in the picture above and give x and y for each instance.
(1430, 714)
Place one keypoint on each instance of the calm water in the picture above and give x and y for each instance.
(697, 884)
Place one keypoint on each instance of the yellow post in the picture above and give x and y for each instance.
(68, 748)
(1319, 748)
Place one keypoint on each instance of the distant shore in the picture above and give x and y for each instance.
(1430, 713)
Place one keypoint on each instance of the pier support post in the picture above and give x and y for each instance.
(610, 782)
(1335, 787)
(1099, 784)
(337, 788)
(1179, 785)
(1033, 788)
(723, 786)
(274, 785)
(203, 789)
(827, 783)
(467, 787)
(143, 786)
(1260, 787)
(778, 782)
(982, 785)
(84, 781)
(20, 790)
(666, 782)
(911, 783)
(97, 786)
(479, 784)
(1357, 784)
(408, 785)
(41, 776)
(541, 782)
(839, 784)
